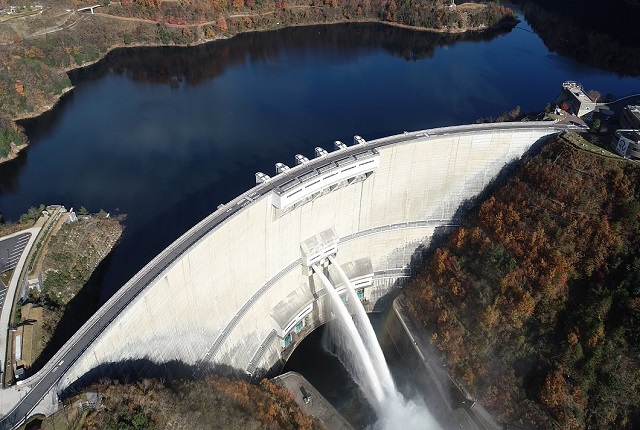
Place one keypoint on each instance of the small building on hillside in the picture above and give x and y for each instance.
(630, 118)
(575, 96)
(627, 143)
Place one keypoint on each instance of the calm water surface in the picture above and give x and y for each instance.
(165, 135)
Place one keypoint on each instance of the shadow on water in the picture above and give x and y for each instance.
(193, 65)
(40, 126)
(36, 128)
(613, 41)
(10, 174)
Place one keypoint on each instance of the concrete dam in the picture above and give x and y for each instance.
(243, 296)
(237, 289)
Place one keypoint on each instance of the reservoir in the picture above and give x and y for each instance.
(165, 135)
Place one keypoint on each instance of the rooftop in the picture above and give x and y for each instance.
(577, 91)
(629, 134)
(634, 110)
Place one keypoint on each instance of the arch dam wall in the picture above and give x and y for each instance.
(218, 301)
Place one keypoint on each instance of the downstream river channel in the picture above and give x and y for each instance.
(165, 135)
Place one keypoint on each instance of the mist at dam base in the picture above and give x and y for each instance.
(355, 343)
(395, 411)
(412, 406)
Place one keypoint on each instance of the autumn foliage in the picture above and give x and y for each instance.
(535, 298)
(420, 13)
(215, 402)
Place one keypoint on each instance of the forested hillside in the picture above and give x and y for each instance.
(535, 299)
(431, 14)
(214, 403)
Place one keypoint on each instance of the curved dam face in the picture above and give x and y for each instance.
(242, 294)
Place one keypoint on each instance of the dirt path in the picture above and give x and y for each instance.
(59, 28)
(212, 22)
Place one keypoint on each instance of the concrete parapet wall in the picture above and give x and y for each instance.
(213, 303)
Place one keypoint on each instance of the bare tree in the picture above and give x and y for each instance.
(594, 95)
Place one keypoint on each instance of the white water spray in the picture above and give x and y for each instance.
(367, 364)
(367, 377)
(367, 333)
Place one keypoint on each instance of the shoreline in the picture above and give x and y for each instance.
(508, 24)
(505, 23)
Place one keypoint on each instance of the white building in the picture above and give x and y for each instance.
(627, 143)
(578, 100)
(630, 118)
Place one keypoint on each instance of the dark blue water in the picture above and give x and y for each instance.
(165, 135)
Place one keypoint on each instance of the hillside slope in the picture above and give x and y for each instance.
(213, 403)
(535, 300)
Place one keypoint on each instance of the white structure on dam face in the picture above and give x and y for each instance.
(241, 295)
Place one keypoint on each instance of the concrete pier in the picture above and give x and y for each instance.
(311, 401)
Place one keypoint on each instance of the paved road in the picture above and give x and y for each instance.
(47, 378)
